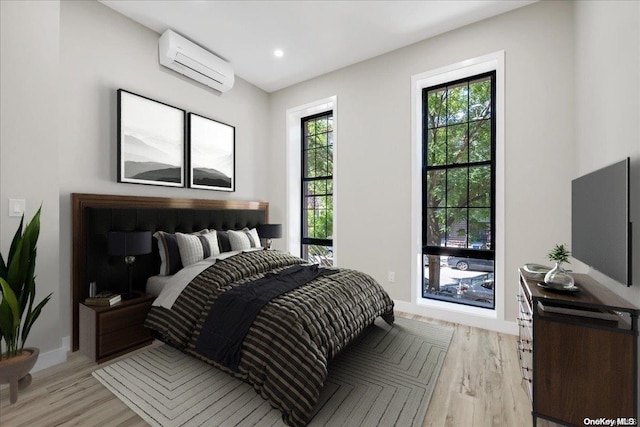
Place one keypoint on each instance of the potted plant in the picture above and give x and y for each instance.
(557, 277)
(17, 311)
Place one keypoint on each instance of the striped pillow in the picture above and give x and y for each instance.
(244, 239)
(194, 248)
(170, 262)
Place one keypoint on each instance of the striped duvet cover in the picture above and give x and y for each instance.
(287, 349)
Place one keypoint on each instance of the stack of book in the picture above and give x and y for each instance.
(104, 298)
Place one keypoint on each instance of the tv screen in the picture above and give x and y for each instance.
(600, 222)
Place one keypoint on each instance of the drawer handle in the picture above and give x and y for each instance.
(522, 348)
(525, 315)
(524, 371)
(522, 364)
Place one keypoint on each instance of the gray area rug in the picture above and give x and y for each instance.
(386, 378)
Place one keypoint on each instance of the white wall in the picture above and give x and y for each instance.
(59, 128)
(29, 70)
(607, 114)
(374, 151)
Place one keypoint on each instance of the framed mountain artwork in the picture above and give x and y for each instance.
(211, 154)
(151, 141)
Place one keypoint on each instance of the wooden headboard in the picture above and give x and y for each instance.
(94, 215)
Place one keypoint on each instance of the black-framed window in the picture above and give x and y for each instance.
(317, 188)
(458, 190)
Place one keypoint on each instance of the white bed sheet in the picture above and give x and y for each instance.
(155, 284)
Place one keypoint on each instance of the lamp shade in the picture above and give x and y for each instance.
(126, 243)
(269, 231)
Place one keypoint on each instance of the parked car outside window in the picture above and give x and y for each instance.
(479, 288)
(465, 264)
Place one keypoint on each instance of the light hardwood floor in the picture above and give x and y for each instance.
(479, 386)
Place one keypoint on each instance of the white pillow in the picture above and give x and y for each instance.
(194, 248)
(244, 239)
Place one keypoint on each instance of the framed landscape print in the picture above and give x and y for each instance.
(211, 154)
(151, 141)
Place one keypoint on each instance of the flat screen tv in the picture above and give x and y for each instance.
(600, 221)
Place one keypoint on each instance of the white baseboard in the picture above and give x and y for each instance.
(53, 357)
(496, 325)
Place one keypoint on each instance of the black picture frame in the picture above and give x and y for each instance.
(151, 141)
(211, 154)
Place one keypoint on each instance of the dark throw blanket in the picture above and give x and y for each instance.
(234, 311)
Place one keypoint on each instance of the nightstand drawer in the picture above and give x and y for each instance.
(115, 320)
(122, 339)
(108, 332)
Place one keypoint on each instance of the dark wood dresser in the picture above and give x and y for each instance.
(579, 352)
(108, 332)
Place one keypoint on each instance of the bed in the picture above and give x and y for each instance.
(288, 344)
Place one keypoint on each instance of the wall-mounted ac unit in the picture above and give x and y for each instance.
(186, 57)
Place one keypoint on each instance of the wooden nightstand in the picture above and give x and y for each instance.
(108, 332)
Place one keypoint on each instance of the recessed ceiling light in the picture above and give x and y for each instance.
(278, 53)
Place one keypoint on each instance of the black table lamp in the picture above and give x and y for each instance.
(129, 244)
(268, 232)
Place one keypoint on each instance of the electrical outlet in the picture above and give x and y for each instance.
(391, 276)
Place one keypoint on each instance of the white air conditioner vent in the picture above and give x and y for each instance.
(189, 59)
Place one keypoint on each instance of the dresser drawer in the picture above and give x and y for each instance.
(525, 341)
(115, 320)
(526, 370)
(525, 328)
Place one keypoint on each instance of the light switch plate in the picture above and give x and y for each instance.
(17, 207)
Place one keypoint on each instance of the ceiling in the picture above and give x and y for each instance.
(316, 37)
